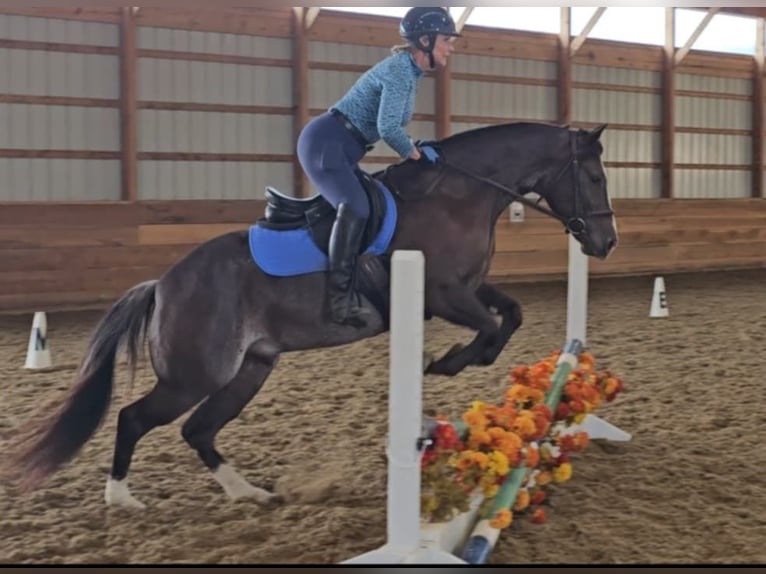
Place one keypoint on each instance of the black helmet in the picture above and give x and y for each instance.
(425, 21)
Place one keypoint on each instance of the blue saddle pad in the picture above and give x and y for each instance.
(293, 252)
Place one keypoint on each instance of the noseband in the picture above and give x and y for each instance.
(576, 225)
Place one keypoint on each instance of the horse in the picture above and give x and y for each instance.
(216, 323)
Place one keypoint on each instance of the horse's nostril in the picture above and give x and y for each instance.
(612, 244)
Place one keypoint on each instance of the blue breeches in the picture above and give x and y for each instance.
(329, 154)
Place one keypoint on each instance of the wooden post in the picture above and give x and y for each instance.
(565, 68)
(443, 104)
(128, 106)
(668, 105)
(300, 94)
(758, 94)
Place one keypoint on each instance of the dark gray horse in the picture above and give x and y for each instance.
(216, 324)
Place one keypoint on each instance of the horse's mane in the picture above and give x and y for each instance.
(467, 137)
(510, 129)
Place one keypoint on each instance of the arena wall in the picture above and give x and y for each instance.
(129, 137)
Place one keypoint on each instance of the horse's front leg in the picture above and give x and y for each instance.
(509, 310)
(461, 305)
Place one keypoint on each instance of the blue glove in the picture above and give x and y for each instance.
(429, 153)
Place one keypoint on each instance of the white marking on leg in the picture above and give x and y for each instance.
(237, 487)
(117, 493)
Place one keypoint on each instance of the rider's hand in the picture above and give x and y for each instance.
(429, 154)
(415, 154)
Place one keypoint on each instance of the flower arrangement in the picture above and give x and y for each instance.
(527, 440)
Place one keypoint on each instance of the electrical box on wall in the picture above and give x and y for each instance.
(517, 212)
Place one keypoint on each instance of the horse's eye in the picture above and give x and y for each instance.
(596, 179)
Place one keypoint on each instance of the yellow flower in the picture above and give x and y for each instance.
(563, 472)
(490, 490)
(579, 418)
(502, 519)
(499, 463)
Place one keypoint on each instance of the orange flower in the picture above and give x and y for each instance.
(502, 519)
(525, 425)
(523, 394)
(543, 478)
(542, 424)
(522, 500)
(533, 457)
(478, 438)
(576, 442)
(544, 410)
(538, 516)
(571, 389)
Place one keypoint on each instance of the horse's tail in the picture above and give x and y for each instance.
(57, 439)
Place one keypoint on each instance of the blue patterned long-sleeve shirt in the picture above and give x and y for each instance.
(381, 102)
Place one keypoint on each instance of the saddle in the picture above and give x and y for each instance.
(317, 215)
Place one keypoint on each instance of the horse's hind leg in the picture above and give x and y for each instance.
(220, 408)
(161, 406)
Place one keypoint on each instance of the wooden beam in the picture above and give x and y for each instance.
(564, 83)
(580, 40)
(442, 103)
(311, 16)
(668, 104)
(128, 105)
(463, 18)
(758, 115)
(300, 67)
(681, 54)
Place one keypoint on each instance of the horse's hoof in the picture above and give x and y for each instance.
(271, 501)
(117, 494)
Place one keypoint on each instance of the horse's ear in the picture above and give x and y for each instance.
(595, 134)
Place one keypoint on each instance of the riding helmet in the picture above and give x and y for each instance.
(426, 21)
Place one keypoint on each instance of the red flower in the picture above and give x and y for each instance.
(538, 516)
(538, 496)
(563, 411)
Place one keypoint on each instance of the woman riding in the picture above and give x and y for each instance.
(377, 107)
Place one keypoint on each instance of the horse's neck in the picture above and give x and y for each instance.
(510, 163)
(516, 164)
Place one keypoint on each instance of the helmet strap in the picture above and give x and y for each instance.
(428, 49)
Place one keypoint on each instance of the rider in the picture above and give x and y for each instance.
(378, 106)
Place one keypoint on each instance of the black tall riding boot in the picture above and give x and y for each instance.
(345, 244)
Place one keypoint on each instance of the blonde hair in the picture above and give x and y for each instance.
(399, 48)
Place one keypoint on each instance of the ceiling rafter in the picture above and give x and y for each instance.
(580, 40)
(463, 18)
(684, 51)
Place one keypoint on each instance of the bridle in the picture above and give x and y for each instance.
(576, 225)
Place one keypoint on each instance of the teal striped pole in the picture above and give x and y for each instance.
(484, 536)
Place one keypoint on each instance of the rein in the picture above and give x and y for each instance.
(575, 225)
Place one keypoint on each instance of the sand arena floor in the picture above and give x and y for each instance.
(689, 488)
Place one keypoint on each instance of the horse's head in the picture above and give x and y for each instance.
(578, 194)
